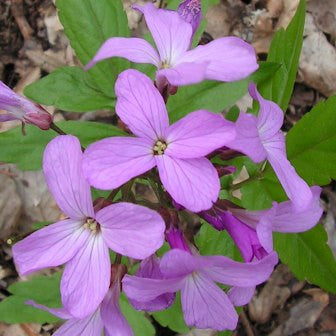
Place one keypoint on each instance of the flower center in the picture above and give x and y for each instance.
(92, 225)
(165, 65)
(159, 147)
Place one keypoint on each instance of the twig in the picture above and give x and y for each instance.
(7, 173)
(18, 13)
(246, 324)
(28, 330)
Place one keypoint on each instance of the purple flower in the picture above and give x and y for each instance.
(252, 230)
(261, 138)
(244, 236)
(191, 12)
(149, 268)
(83, 240)
(281, 218)
(107, 317)
(204, 304)
(178, 150)
(20, 108)
(225, 59)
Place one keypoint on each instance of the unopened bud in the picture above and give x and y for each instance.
(191, 12)
(21, 108)
(176, 239)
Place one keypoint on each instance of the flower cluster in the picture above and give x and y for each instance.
(176, 159)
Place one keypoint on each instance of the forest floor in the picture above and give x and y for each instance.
(33, 44)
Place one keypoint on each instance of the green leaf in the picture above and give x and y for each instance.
(42, 289)
(259, 193)
(172, 317)
(308, 256)
(285, 49)
(137, 320)
(212, 242)
(70, 89)
(214, 96)
(88, 24)
(311, 144)
(26, 151)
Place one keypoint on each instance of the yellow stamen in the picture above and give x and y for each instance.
(159, 147)
(91, 225)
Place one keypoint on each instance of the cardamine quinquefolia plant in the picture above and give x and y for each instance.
(124, 244)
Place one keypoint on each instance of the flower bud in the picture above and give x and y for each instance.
(20, 108)
(191, 12)
(176, 239)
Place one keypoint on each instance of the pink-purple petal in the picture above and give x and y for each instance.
(134, 49)
(295, 187)
(90, 325)
(205, 305)
(247, 138)
(270, 116)
(147, 289)
(286, 220)
(86, 278)
(193, 183)
(62, 167)
(264, 230)
(172, 35)
(131, 230)
(183, 74)
(229, 58)
(109, 163)
(226, 271)
(59, 312)
(240, 296)
(149, 268)
(179, 263)
(140, 105)
(7, 117)
(198, 134)
(50, 246)
(115, 323)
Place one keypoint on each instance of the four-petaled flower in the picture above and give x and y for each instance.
(225, 59)
(261, 138)
(178, 150)
(204, 304)
(83, 240)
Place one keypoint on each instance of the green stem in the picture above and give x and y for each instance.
(55, 128)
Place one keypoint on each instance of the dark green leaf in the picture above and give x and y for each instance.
(172, 317)
(69, 89)
(26, 151)
(259, 193)
(285, 50)
(42, 289)
(88, 24)
(308, 256)
(213, 242)
(137, 320)
(311, 144)
(214, 96)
